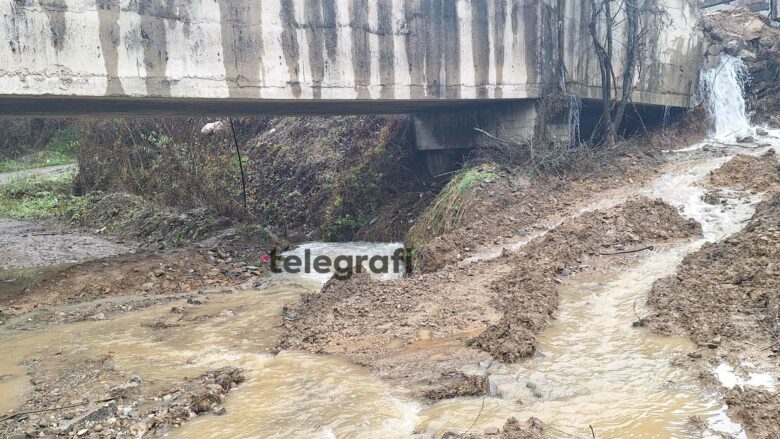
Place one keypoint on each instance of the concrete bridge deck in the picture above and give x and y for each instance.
(183, 57)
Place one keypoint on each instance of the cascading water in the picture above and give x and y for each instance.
(723, 89)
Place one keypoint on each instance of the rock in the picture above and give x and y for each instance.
(215, 388)
(711, 199)
(761, 132)
(99, 413)
(97, 428)
(747, 55)
(218, 410)
(126, 390)
(492, 431)
(745, 139)
(733, 46)
(695, 354)
(714, 50)
(717, 340)
(82, 432)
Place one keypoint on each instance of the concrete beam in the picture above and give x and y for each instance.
(457, 129)
(159, 56)
(44, 106)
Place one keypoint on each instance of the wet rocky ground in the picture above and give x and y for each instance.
(484, 301)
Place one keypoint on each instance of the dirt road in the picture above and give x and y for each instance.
(26, 244)
(7, 177)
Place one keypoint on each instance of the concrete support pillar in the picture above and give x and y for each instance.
(456, 129)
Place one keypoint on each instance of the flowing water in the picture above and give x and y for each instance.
(594, 368)
(724, 87)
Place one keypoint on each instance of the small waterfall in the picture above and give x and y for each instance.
(723, 88)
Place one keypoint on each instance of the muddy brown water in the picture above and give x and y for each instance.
(595, 369)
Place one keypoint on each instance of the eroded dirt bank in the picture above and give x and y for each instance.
(426, 327)
(726, 298)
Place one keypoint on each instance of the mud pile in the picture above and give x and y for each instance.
(140, 275)
(511, 204)
(728, 289)
(756, 174)
(97, 401)
(389, 326)
(528, 296)
(758, 409)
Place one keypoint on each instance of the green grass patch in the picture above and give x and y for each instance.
(62, 149)
(450, 207)
(36, 197)
(36, 160)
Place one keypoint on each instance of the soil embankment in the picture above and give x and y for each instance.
(424, 328)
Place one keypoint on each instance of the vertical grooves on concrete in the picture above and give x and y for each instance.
(316, 41)
(414, 47)
(110, 39)
(531, 21)
(451, 35)
(480, 44)
(361, 56)
(386, 48)
(290, 45)
(55, 12)
(499, 52)
(434, 42)
(242, 46)
(155, 47)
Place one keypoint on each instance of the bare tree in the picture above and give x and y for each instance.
(636, 19)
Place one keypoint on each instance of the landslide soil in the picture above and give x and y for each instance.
(519, 201)
(726, 296)
(423, 328)
(145, 278)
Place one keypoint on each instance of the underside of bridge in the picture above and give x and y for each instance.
(455, 64)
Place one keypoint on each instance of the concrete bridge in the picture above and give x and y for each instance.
(481, 61)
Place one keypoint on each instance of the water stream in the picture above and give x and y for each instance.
(594, 368)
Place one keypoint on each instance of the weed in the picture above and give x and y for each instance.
(451, 205)
(36, 198)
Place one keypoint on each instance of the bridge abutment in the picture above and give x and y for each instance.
(444, 137)
(466, 128)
